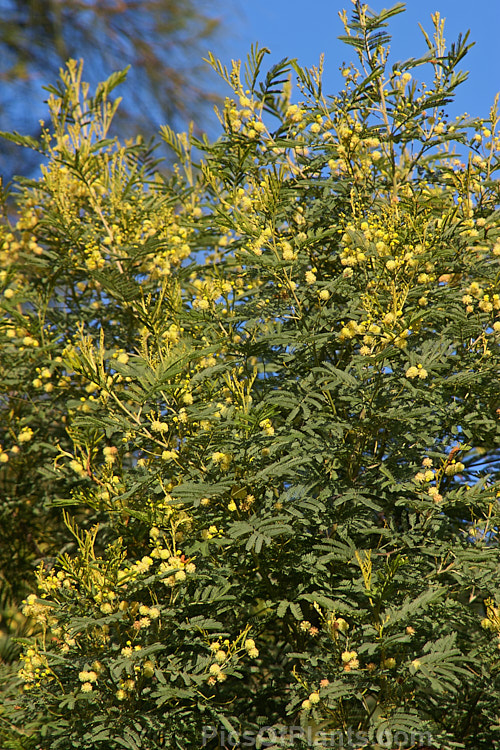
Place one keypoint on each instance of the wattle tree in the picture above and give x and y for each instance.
(251, 413)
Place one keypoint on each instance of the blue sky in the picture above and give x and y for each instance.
(306, 28)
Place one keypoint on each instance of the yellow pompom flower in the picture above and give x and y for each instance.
(310, 277)
(412, 372)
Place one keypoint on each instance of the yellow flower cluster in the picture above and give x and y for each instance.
(356, 152)
(132, 222)
(492, 620)
(142, 565)
(211, 532)
(295, 113)
(158, 426)
(450, 467)
(482, 298)
(267, 427)
(223, 653)
(25, 435)
(88, 679)
(453, 468)
(251, 649)
(247, 118)
(336, 625)
(40, 611)
(22, 238)
(35, 669)
(349, 660)
(222, 459)
(418, 371)
(314, 699)
(177, 563)
(378, 238)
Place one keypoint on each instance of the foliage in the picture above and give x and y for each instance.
(263, 395)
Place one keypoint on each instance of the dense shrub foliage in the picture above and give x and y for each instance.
(250, 418)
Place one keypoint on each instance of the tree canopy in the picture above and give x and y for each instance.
(250, 416)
